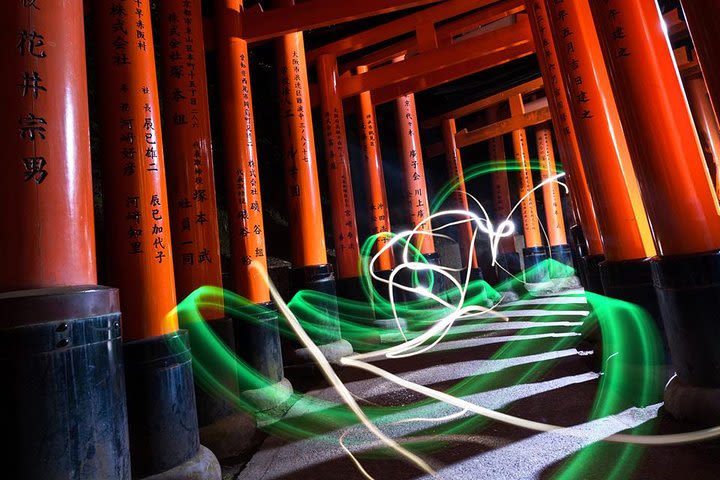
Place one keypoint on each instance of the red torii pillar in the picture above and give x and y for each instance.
(415, 186)
(508, 259)
(342, 200)
(191, 182)
(587, 235)
(379, 210)
(257, 339)
(534, 253)
(311, 270)
(456, 174)
(161, 402)
(620, 211)
(555, 223)
(701, 17)
(60, 376)
(705, 123)
(678, 193)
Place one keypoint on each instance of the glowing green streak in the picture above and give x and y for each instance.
(625, 328)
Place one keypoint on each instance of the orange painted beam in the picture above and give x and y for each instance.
(444, 33)
(46, 185)
(395, 28)
(375, 179)
(582, 200)
(337, 160)
(241, 174)
(413, 170)
(487, 102)
(258, 25)
(616, 194)
(438, 59)
(191, 180)
(453, 72)
(516, 122)
(457, 177)
(677, 191)
(137, 219)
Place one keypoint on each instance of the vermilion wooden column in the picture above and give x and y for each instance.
(616, 197)
(255, 326)
(500, 184)
(676, 187)
(338, 167)
(379, 210)
(242, 177)
(564, 128)
(414, 170)
(663, 143)
(456, 174)
(311, 270)
(508, 259)
(46, 185)
(534, 253)
(531, 224)
(308, 245)
(135, 196)
(161, 405)
(705, 123)
(554, 221)
(63, 393)
(701, 17)
(191, 181)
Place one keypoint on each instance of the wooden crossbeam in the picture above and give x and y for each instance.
(445, 33)
(528, 119)
(258, 25)
(438, 59)
(482, 104)
(439, 77)
(396, 28)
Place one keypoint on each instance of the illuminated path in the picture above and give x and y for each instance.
(465, 355)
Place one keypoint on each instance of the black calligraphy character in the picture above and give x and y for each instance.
(156, 214)
(160, 255)
(30, 4)
(200, 195)
(35, 168)
(155, 201)
(204, 256)
(31, 126)
(188, 259)
(201, 218)
(31, 82)
(29, 41)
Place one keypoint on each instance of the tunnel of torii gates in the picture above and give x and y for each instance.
(622, 115)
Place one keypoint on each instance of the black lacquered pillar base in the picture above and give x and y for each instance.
(562, 254)
(62, 407)
(510, 263)
(631, 281)
(534, 260)
(164, 435)
(212, 406)
(324, 328)
(257, 343)
(688, 291)
(590, 266)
